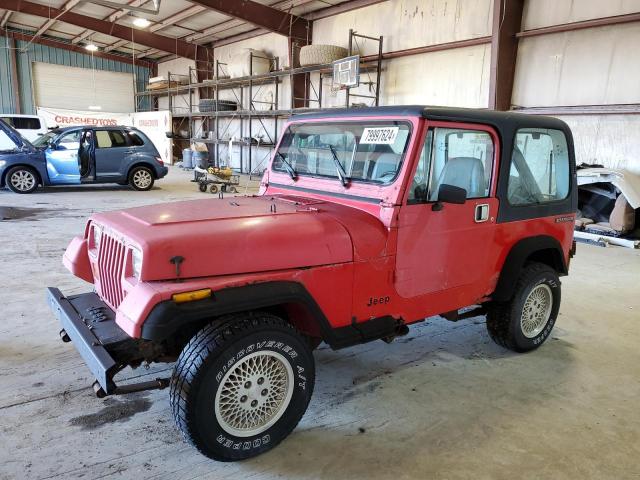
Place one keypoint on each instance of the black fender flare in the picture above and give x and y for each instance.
(518, 255)
(168, 317)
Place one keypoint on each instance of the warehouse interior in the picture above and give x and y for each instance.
(182, 111)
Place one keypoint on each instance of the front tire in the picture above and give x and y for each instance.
(241, 385)
(141, 178)
(525, 322)
(22, 179)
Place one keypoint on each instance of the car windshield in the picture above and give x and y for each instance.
(44, 140)
(350, 151)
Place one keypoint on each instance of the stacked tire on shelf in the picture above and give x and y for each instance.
(207, 105)
(321, 54)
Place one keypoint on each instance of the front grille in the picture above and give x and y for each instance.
(111, 258)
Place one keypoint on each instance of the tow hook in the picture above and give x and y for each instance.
(64, 337)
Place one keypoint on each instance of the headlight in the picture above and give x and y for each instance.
(136, 262)
(96, 233)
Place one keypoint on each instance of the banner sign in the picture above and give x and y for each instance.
(153, 124)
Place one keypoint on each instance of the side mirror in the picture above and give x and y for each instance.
(449, 194)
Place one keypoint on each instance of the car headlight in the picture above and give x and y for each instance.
(136, 262)
(96, 233)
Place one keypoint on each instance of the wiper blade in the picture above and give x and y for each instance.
(342, 174)
(287, 166)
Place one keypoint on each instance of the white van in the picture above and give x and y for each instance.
(30, 126)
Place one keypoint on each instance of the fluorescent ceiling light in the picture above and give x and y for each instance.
(91, 47)
(95, 107)
(141, 22)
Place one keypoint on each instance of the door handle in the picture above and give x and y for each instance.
(482, 213)
(129, 151)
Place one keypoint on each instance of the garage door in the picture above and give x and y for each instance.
(72, 88)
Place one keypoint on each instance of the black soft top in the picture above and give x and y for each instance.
(501, 120)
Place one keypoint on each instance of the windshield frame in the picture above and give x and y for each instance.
(53, 136)
(364, 122)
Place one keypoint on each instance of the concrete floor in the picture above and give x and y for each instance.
(443, 402)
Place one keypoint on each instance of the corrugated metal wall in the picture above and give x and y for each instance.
(26, 55)
(7, 104)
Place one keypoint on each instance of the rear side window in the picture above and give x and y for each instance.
(135, 140)
(110, 139)
(539, 167)
(23, 123)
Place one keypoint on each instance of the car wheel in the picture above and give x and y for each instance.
(525, 322)
(141, 178)
(241, 385)
(22, 179)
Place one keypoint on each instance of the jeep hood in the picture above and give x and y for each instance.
(244, 235)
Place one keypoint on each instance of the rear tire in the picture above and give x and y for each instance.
(141, 178)
(241, 385)
(22, 179)
(525, 322)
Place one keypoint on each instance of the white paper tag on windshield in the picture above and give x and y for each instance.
(379, 135)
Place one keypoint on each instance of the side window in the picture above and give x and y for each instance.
(103, 140)
(462, 158)
(26, 123)
(135, 140)
(69, 141)
(117, 138)
(539, 170)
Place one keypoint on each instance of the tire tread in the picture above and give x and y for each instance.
(212, 337)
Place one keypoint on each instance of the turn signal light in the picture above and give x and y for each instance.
(192, 295)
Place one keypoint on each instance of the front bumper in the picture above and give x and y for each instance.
(90, 324)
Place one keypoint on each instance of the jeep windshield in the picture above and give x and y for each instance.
(366, 151)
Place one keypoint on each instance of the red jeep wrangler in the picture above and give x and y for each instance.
(367, 220)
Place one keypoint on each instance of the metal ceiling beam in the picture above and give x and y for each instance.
(5, 18)
(166, 44)
(260, 15)
(49, 23)
(507, 18)
(173, 19)
(110, 18)
(48, 41)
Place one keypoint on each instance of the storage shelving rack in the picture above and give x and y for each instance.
(252, 110)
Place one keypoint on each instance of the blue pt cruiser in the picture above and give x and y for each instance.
(78, 155)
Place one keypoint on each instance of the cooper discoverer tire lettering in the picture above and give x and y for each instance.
(241, 385)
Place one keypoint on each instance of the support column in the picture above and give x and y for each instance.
(15, 81)
(507, 18)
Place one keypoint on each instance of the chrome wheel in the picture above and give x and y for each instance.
(254, 393)
(23, 180)
(536, 310)
(142, 179)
